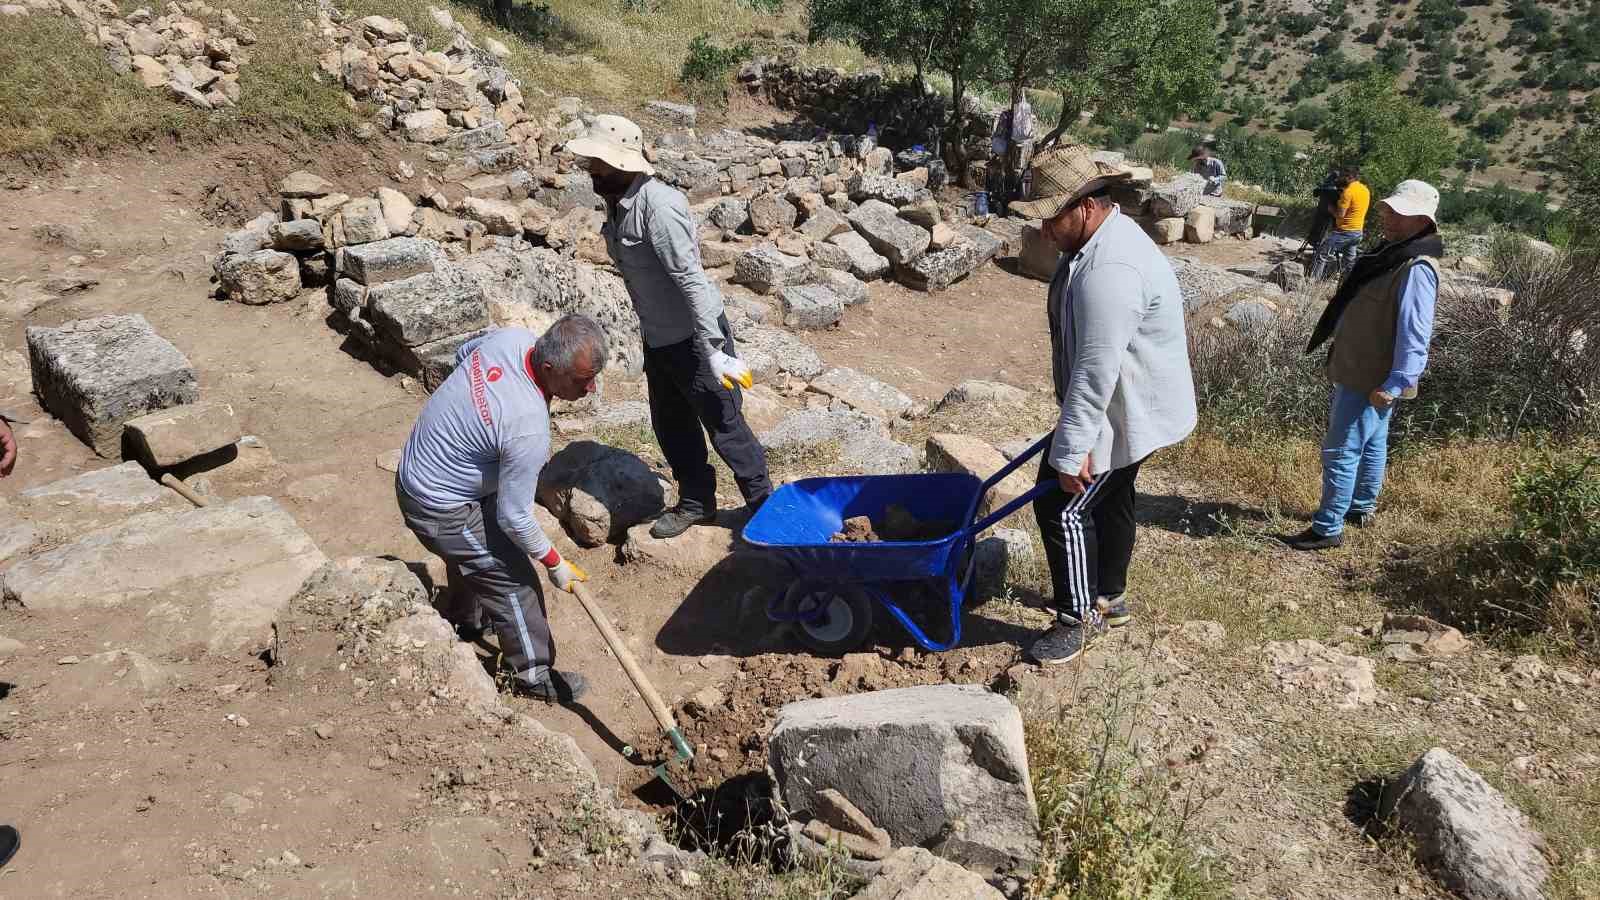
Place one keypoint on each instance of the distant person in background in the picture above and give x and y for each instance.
(1340, 247)
(1012, 145)
(1327, 194)
(1381, 321)
(1207, 166)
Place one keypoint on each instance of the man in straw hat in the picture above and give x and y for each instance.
(689, 363)
(1381, 320)
(1120, 362)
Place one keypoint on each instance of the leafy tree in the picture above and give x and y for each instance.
(1393, 56)
(1307, 117)
(1391, 136)
(1473, 154)
(1494, 126)
(1300, 24)
(1373, 34)
(1247, 107)
(1156, 58)
(1467, 111)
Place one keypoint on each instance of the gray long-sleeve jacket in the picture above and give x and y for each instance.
(1121, 357)
(653, 241)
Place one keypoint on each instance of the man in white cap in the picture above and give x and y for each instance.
(1120, 362)
(689, 363)
(1381, 320)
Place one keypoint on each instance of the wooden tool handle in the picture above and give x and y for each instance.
(629, 664)
(172, 481)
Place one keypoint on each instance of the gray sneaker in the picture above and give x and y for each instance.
(1068, 639)
(677, 520)
(553, 687)
(1117, 611)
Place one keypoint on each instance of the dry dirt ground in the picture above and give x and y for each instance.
(121, 795)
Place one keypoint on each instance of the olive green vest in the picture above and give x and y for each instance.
(1362, 355)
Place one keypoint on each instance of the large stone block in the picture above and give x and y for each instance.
(771, 212)
(934, 272)
(391, 260)
(893, 237)
(91, 500)
(428, 307)
(259, 278)
(96, 374)
(849, 288)
(1200, 225)
(599, 492)
(765, 268)
(942, 767)
(1176, 197)
(810, 306)
(211, 579)
(865, 262)
(500, 217)
(1039, 255)
(488, 135)
(985, 243)
(769, 351)
(1234, 217)
(861, 442)
(181, 433)
(824, 223)
(1476, 843)
(964, 453)
(884, 189)
(730, 214)
(1165, 231)
(863, 393)
(301, 234)
(360, 221)
(427, 126)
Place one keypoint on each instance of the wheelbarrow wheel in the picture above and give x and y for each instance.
(834, 619)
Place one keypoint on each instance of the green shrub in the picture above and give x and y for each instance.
(707, 64)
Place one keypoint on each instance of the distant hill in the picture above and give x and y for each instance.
(1514, 76)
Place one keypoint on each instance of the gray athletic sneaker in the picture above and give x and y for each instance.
(1068, 639)
(1117, 610)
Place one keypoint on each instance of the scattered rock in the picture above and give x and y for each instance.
(996, 555)
(893, 237)
(849, 288)
(300, 235)
(259, 278)
(384, 261)
(1176, 197)
(913, 873)
(1307, 665)
(599, 492)
(1409, 638)
(864, 262)
(934, 272)
(973, 456)
(1200, 225)
(770, 212)
(1289, 275)
(1166, 231)
(303, 185)
(810, 306)
(1478, 844)
(862, 443)
(991, 393)
(765, 268)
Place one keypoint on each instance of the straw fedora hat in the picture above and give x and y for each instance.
(1062, 176)
(615, 141)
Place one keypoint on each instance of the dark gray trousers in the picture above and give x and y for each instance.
(687, 402)
(496, 579)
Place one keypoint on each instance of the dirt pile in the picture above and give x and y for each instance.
(896, 524)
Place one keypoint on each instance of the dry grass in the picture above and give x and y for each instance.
(58, 95)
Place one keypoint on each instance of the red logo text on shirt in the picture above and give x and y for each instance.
(480, 399)
(494, 374)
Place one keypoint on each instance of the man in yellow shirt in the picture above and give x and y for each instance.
(1349, 221)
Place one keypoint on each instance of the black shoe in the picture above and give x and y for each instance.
(1310, 540)
(471, 634)
(677, 520)
(1361, 518)
(554, 687)
(1116, 610)
(1067, 640)
(10, 840)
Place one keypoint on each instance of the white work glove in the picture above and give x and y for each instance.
(731, 370)
(565, 573)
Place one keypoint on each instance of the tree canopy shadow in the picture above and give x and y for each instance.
(1193, 518)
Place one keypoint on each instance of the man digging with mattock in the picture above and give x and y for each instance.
(467, 479)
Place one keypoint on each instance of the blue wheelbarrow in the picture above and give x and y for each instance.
(831, 599)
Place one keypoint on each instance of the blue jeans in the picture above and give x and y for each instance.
(1339, 247)
(1354, 454)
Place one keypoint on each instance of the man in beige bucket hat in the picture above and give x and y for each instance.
(1120, 362)
(689, 364)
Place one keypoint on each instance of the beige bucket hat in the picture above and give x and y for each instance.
(615, 141)
(1414, 198)
(1063, 175)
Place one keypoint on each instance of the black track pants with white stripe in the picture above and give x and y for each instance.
(1088, 538)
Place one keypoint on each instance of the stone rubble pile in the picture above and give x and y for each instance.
(192, 50)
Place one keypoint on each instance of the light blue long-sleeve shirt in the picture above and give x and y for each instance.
(1413, 330)
(486, 430)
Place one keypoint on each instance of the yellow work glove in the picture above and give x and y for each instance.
(565, 573)
(731, 370)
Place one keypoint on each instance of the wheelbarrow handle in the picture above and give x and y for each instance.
(978, 526)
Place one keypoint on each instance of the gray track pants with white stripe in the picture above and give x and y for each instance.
(496, 579)
(1088, 538)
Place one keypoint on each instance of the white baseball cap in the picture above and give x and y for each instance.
(1414, 198)
(615, 141)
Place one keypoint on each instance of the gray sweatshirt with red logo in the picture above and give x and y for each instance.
(486, 430)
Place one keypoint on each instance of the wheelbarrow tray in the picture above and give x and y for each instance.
(798, 520)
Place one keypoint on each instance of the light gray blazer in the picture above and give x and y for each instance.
(1121, 357)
